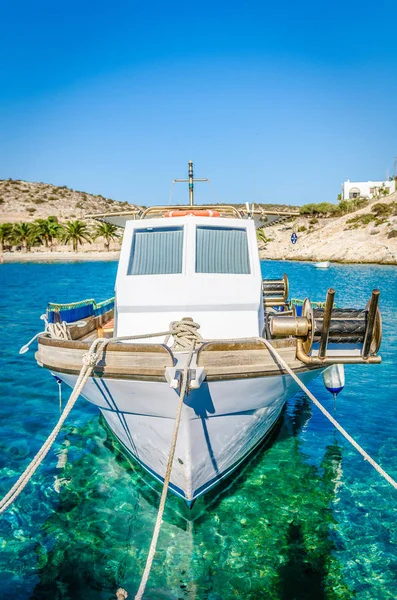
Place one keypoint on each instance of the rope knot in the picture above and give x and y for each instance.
(185, 334)
(89, 359)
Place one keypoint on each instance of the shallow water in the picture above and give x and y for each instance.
(305, 518)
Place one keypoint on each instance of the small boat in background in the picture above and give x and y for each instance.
(322, 265)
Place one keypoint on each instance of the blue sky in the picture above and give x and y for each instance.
(274, 102)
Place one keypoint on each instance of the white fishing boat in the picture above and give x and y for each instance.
(322, 265)
(195, 272)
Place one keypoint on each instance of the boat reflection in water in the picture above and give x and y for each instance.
(265, 533)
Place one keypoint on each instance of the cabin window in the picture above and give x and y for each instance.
(222, 250)
(156, 251)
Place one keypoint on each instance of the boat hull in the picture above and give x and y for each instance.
(222, 422)
(322, 265)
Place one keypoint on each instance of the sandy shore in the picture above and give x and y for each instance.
(59, 256)
(312, 259)
(278, 253)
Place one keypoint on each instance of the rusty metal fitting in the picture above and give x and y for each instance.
(281, 326)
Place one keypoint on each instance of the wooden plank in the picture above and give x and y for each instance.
(113, 346)
(109, 357)
(91, 324)
(139, 376)
(254, 344)
(77, 332)
(221, 360)
(244, 358)
(244, 353)
(68, 355)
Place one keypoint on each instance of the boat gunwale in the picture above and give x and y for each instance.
(210, 345)
(111, 347)
(244, 344)
(253, 348)
(99, 373)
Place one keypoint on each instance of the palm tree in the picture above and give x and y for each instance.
(107, 231)
(35, 238)
(5, 234)
(24, 234)
(48, 230)
(261, 236)
(76, 232)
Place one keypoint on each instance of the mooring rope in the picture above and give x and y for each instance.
(185, 333)
(89, 361)
(159, 519)
(334, 422)
(186, 336)
(59, 331)
(177, 328)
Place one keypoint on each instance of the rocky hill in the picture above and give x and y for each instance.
(27, 201)
(368, 235)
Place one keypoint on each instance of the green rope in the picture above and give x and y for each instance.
(104, 302)
(53, 306)
(298, 302)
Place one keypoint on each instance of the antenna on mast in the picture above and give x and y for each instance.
(191, 181)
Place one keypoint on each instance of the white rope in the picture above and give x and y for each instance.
(186, 336)
(335, 423)
(185, 333)
(59, 331)
(89, 361)
(178, 329)
(159, 519)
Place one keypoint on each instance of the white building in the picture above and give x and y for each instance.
(367, 189)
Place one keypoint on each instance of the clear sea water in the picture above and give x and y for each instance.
(305, 518)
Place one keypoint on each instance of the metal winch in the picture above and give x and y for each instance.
(275, 291)
(318, 327)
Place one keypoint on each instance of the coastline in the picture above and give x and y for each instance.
(113, 255)
(337, 261)
(25, 257)
(362, 237)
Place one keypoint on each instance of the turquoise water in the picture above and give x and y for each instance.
(306, 518)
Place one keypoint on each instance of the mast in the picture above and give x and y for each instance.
(191, 182)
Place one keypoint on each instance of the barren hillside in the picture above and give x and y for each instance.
(26, 201)
(368, 235)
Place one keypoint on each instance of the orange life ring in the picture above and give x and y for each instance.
(193, 213)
